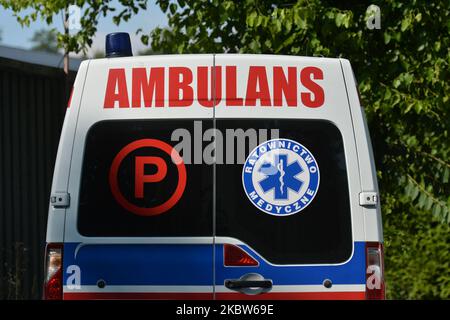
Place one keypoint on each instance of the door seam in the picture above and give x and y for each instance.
(213, 87)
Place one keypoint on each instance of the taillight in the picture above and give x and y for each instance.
(70, 99)
(236, 257)
(375, 286)
(53, 289)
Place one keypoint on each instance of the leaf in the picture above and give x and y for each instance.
(414, 193)
(387, 38)
(407, 78)
(408, 189)
(278, 25)
(446, 175)
(418, 17)
(164, 5)
(347, 20)
(144, 39)
(259, 20)
(406, 22)
(437, 46)
(436, 210)
(339, 19)
(302, 24)
(422, 199)
(288, 25)
(409, 107)
(173, 8)
(418, 106)
(251, 19)
(429, 203)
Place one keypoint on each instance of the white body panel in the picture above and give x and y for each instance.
(372, 215)
(56, 216)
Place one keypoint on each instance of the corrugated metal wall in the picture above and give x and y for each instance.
(32, 108)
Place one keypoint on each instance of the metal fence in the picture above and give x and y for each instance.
(32, 107)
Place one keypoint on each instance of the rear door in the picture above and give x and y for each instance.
(288, 223)
(140, 220)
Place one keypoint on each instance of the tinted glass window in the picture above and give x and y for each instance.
(146, 177)
(321, 232)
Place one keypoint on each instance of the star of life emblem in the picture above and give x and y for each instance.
(281, 177)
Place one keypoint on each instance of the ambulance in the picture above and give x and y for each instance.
(214, 176)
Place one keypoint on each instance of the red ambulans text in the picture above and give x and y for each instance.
(181, 86)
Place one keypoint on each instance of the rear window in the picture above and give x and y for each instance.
(119, 158)
(321, 232)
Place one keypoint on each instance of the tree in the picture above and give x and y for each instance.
(403, 72)
(87, 11)
(27, 11)
(45, 40)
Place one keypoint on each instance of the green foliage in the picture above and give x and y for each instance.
(147, 52)
(417, 253)
(45, 40)
(27, 11)
(403, 73)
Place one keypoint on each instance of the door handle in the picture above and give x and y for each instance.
(242, 284)
(250, 283)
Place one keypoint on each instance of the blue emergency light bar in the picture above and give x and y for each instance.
(118, 44)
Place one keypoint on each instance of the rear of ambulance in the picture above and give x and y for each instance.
(295, 216)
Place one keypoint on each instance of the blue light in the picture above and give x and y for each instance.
(118, 44)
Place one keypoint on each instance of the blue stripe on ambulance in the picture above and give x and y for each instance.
(165, 264)
(141, 264)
